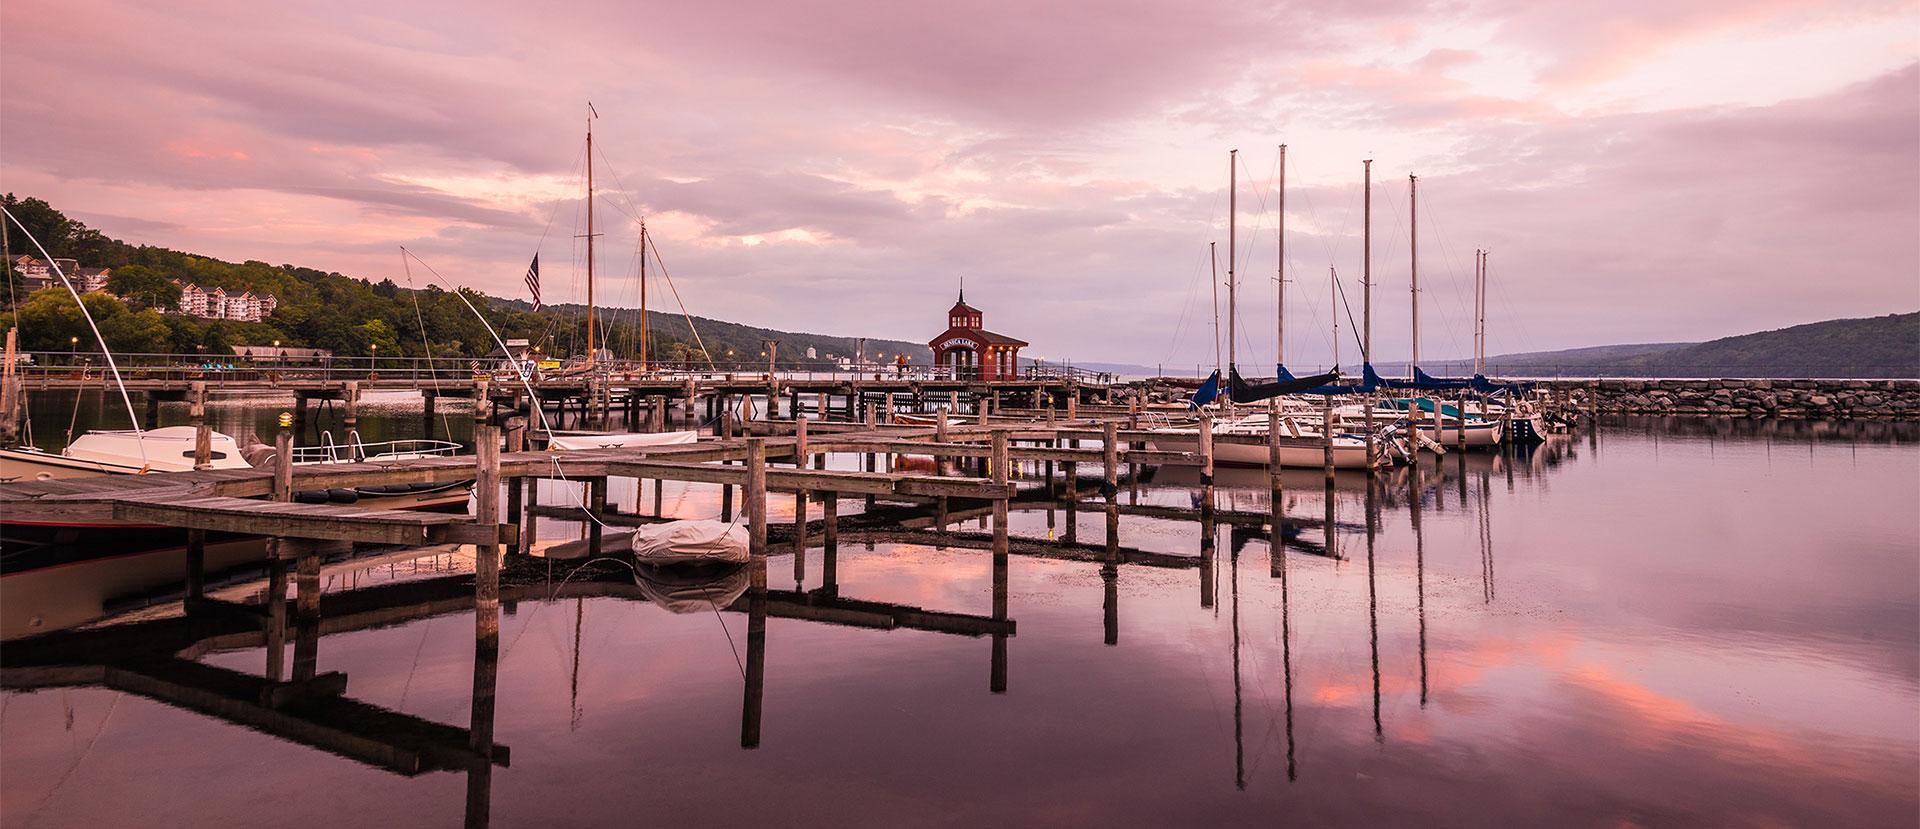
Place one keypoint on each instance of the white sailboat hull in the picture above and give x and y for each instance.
(1346, 455)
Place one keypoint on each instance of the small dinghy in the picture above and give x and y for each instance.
(691, 589)
(691, 542)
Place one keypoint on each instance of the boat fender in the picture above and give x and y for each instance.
(342, 496)
(310, 496)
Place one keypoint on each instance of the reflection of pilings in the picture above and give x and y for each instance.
(1486, 538)
(997, 681)
(1239, 749)
(1110, 602)
(276, 618)
(1209, 536)
(1373, 618)
(1286, 646)
(306, 639)
(756, 671)
(1420, 578)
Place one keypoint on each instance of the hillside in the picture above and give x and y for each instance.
(1870, 347)
(351, 317)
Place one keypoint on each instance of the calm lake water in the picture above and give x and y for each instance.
(1662, 622)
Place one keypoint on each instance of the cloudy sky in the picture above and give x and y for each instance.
(1642, 170)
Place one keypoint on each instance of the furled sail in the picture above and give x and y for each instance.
(1245, 393)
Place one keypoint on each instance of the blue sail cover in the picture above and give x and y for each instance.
(1281, 374)
(1244, 393)
(1207, 391)
(1369, 382)
(1421, 380)
(1480, 383)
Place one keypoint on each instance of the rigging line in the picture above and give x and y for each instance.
(1452, 271)
(105, 352)
(68, 774)
(519, 370)
(1186, 309)
(402, 704)
(426, 347)
(1352, 327)
(676, 298)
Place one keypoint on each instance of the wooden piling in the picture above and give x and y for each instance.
(196, 586)
(941, 462)
(283, 466)
(202, 432)
(1206, 449)
(756, 495)
(872, 419)
(999, 473)
(1326, 435)
(10, 391)
(1110, 439)
(596, 507)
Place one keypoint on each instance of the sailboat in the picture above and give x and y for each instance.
(1305, 444)
(597, 359)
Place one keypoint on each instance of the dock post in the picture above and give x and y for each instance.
(1460, 424)
(283, 463)
(979, 411)
(1073, 405)
(953, 401)
(202, 433)
(1372, 459)
(486, 511)
(799, 441)
(1110, 439)
(10, 390)
(300, 412)
(889, 404)
(820, 405)
(1326, 435)
(999, 473)
(726, 500)
(941, 463)
(1205, 436)
(596, 507)
(688, 414)
(1050, 422)
(756, 496)
(872, 416)
(1133, 412)
(516, 442)
(351, 409)
(1418, 416)
(428, 401)
(196, 587)
(153, 412)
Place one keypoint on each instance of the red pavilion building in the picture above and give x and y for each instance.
(973, 352)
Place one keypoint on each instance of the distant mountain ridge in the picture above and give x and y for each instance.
(1868, 347)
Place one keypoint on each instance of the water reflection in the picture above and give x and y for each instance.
(1583, 677)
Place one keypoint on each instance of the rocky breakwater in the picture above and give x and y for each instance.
(1753, 398)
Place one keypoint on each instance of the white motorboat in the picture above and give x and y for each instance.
(118, 453)
(572, 441)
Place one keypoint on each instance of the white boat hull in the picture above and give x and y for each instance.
(1479, 434)
(1345, 455)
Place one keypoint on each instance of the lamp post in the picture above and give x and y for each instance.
(371, 358)
(73, 347)
(276, 353)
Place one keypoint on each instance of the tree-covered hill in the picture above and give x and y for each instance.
(1886, 346)
(345, 315)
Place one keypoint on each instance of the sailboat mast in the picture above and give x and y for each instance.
(1480, 312)
(1233, 213)
(1366, 263)
(1213, 258)
(1333, 301)
(1280, 272)
(591, 353)
(1413, 267)
(643, 294)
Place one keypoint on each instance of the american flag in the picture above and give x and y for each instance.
(533, 280)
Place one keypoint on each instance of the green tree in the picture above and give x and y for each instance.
(137, 332)
(143, 286)
(50, 321)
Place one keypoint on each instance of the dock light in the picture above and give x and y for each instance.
(286, 420)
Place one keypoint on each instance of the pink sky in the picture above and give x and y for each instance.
(1643, 171)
